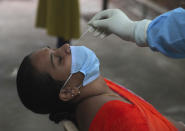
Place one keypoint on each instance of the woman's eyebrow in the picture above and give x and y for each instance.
(51, 59)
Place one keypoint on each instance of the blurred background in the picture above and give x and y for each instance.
(158, 79)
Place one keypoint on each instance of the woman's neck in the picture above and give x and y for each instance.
(89, 102)
(95, 88)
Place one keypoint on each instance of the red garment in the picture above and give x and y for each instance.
(117, 115)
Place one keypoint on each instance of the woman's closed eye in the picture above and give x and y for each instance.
(59, 59)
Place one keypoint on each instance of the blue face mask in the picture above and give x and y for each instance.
(85, 61)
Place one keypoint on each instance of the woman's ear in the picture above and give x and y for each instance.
(67, 94)
(72, 88)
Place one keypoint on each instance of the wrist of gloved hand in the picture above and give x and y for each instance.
(140, 32)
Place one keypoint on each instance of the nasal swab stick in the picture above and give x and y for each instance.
(84, 34)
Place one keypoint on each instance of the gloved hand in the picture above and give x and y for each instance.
(115, 21)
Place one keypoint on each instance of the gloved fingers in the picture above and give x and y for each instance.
(103, 35)
(101, 24)
(100, 33)
(97, 33)
(101, 15)
(91, 29)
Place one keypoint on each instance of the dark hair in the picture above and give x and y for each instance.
(39, 92)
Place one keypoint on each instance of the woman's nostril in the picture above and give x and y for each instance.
(68, 49)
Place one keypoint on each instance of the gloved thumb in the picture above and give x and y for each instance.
(100, 24)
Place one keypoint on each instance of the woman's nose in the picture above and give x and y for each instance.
(64, 50)
(67, 48)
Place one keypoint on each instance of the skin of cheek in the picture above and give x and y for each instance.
(62, 72)
(41, 61)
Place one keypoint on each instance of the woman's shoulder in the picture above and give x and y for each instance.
(118, 115)
(87, 111)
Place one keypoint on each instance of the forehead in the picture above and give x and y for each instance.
(40, 60)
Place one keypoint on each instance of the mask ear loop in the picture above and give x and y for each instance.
(66, 82)
(80, 86)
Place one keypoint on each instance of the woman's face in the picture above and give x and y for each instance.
(56, 62)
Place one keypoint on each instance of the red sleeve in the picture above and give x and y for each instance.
(155, 120)
(118, 116)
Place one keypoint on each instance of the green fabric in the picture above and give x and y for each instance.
(61, 18)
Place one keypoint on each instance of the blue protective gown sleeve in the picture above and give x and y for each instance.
(166, 33)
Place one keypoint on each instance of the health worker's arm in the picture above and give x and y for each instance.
(166, 33)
